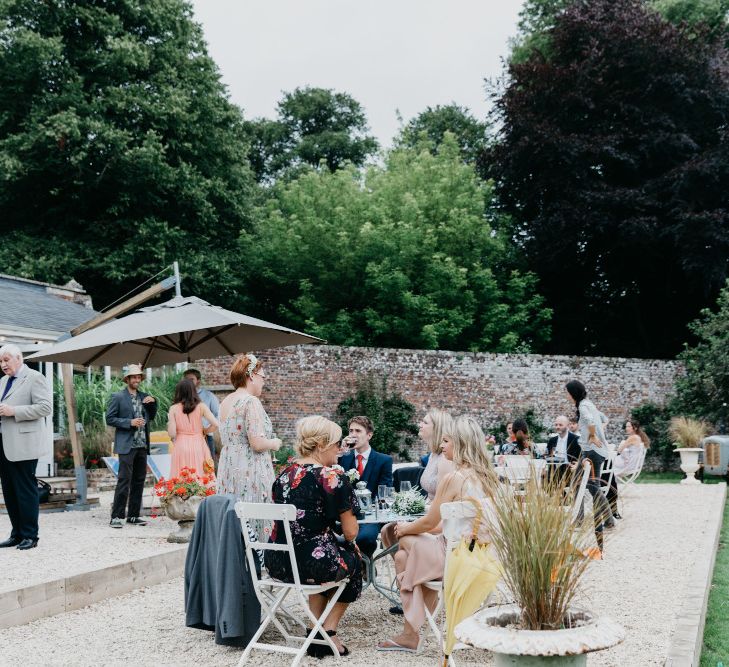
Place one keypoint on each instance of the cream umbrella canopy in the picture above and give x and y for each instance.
(181, 329)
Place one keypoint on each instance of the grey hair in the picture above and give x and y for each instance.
(12, 350)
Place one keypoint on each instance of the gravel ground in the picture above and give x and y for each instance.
(74, 542)
(639, 584)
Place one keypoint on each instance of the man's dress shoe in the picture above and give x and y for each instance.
(10, 542)
(27, 543)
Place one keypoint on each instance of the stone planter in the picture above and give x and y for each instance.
(689, 463)
(184, 512)
(492, 629)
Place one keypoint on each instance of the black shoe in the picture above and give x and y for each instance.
(136, 521)
(10, 542)
(609, 524)
(27, 543)
(397, 610)
(617, 516)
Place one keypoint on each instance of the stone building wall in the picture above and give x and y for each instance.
(313, 379)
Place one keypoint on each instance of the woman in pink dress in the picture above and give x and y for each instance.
(184, 424)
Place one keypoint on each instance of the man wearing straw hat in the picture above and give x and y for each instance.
(130, 412)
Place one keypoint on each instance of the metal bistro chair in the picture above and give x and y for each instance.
(272, 593)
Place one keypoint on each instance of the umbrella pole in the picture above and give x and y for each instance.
(79, 467)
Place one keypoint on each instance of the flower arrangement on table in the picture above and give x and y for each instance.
(187, 485)
(409, 502)
(490, 443)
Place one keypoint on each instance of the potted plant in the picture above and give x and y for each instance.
(544, 555)
(181, 497)
(687, 434)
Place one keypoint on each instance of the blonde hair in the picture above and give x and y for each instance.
(316, 432)
(469, 451)
(442, 425)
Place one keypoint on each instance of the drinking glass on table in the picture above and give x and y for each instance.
(390, 497)
(381, 493)
(405, 486)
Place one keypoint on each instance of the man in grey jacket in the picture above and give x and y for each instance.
(130, 412)
(25, 402)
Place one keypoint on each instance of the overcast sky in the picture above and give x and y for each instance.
(389, 55)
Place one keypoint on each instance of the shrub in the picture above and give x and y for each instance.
(392, 416)
(655, 420)
(533, 417)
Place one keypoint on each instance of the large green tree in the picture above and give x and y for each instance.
(405, 256)
(614, 160)
(313, 126)
(471, 134)
(119, 150)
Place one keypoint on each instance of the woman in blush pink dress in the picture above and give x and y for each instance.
(184, 424)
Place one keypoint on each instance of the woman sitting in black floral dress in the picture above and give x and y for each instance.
(322, 495)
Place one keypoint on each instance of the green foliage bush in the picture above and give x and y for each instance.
(392, 416)
(655, 420)
(533, 417)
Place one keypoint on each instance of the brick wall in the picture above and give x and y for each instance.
(312, 379)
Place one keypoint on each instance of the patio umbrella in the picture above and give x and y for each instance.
(181, 329)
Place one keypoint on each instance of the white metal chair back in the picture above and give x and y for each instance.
(580, 494)
(518, 468)
(271, 593)
(629, 476)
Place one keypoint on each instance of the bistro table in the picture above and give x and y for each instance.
(390, 591)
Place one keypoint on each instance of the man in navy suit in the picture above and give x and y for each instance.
(374, 469)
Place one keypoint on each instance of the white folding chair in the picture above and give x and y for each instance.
(627, 477)
(518, 468)
(272, 593)
(580, 495)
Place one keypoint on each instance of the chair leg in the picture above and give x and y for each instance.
(319, 625)
(270, 615)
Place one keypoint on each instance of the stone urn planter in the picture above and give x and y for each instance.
(689, 463)
(184, 512)
(494, 629)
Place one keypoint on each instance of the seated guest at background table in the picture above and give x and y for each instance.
(565, 445)
(421, 554)
(521, 444)
(322, 495)
(185, 427)
(573, 427)
(629, 450)
(432, 427)
(374, 469)
(507, 445)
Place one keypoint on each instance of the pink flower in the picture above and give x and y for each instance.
(300, 514)
(318, 553)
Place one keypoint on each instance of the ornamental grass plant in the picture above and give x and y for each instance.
(542, 551)
(687, 432)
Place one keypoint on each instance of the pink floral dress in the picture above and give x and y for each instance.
(242, 471)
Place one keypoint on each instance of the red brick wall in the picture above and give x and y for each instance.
(312, 379)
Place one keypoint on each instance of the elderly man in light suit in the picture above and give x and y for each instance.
(25, 401)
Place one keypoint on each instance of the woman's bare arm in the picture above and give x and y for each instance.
(350, 527)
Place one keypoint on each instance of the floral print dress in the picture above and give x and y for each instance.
(242, 471)
(320, 494)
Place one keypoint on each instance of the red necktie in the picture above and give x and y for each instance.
(360, 466)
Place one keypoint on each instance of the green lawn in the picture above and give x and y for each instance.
(716, 632)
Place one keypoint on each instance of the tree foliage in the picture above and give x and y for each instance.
(703, 391)
(471, 134)
(613, 158)
(314, 125)
(392, 416)
(402, 257)
(119, 150)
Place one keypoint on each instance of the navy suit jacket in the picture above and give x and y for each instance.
(573, 446)
(119, 415)
(377, 471)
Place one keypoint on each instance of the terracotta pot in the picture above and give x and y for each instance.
(492, 629)
(689, 463)
(184, 512)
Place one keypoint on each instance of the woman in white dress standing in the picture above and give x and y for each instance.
(246, 466)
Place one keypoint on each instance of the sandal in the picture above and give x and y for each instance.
(394, 646)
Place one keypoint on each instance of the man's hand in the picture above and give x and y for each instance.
(148, 399)
(138, 422)
(6, 410)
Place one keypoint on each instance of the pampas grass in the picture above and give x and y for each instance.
(687, 432)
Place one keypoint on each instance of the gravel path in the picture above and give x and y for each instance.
(639, 584)
(74, 542)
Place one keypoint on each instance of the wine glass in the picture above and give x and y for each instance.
(381, 493)
(405, 486)
(390, 497)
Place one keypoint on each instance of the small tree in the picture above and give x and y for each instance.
(392, 416)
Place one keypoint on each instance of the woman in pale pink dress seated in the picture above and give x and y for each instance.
(184, 424)
(421, 555)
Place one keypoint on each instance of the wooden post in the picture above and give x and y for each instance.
(76, 449)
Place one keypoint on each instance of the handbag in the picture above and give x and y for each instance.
(44, 491)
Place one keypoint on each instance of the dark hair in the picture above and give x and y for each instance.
(186, 394)
(364, 422)
(192, 371)
(577, 390)
(639, 431)
(517, 426)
